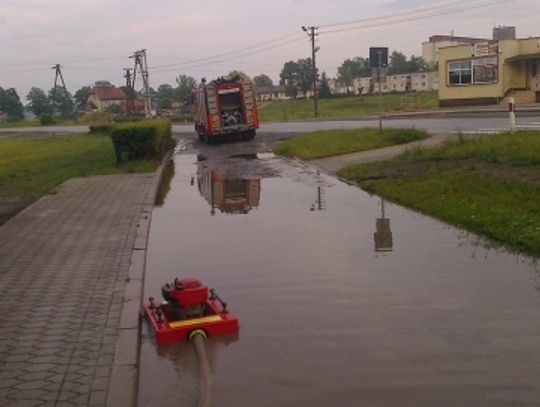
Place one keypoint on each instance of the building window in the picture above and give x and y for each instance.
(485, 70)
(460, 73)
(534, 69)
(473, 71)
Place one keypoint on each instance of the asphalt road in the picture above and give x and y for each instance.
(433, 124)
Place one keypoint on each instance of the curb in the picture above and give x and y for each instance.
(125, 366)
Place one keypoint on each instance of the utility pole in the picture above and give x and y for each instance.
(379, 73)
(140, 62)
(311, 31)
(129, 87)
(57, 75)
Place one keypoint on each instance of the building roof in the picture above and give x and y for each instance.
(465, 40)
(523, 57)
(108, 93)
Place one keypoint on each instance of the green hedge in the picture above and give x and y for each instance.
(102, 128)
(148, 139)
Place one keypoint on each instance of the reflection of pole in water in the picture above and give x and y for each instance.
(319, 203)
(383, 234)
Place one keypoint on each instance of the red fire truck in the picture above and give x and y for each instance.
(225, 107)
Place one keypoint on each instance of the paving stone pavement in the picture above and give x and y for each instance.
(63, 270)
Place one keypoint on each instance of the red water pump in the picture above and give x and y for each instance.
(189, 308)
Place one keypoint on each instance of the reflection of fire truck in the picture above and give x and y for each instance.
(225, 107)
(229, 195)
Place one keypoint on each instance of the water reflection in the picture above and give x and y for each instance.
(165, 185)
(383, 233)
(229, 195)
(320, 202)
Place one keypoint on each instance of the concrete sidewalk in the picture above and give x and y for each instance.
(64, 267)
(332, 165)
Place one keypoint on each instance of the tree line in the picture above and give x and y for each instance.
(295, 76)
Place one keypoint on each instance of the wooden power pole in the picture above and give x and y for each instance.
(311, 31)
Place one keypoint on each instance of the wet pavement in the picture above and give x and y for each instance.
(465, 123)
(343, 300)
(64, 268)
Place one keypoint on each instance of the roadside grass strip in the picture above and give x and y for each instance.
(33, 167)
(353, 106)
(336, 142)
(489, 186)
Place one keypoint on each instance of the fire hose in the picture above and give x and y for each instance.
(198, 337)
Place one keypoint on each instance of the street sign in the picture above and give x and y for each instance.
(378, 56)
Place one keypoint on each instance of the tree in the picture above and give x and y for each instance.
(81, 96)
(10, 104)
(38, 101)
(398, 63)
(417, 64)
(239, 74)
(353, 68)
(291, 90)
(297, 76)
(262, 80)
(103, 84)
(324, 88)
(185, 85)
(61, 101)
(165, 94)
(305, 75)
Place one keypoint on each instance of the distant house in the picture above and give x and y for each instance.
(336, 87)
(101, 97)
(408, 82)
(268, 93)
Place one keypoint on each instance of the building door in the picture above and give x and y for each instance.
(534, 76)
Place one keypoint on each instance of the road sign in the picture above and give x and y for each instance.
(378, 56)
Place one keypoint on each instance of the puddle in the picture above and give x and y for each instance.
(343, 300)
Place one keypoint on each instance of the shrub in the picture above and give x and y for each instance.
(102, 128)
(46, 118)
(148, 139)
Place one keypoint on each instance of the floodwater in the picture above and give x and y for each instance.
(343, 300)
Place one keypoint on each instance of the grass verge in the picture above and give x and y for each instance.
(33, 167)
(328, 143)
(489, 185)
(353, 106)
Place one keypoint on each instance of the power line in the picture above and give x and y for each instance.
(399, 14)
(233, 57)
(414, 18)
(277, 42)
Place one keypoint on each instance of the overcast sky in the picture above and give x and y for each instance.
(93, 39)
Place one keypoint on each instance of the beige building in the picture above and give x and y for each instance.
(488, 72)
(430, 49)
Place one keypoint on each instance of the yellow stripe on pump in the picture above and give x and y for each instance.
(195, 321)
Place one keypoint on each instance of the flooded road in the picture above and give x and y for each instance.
(343, 300)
